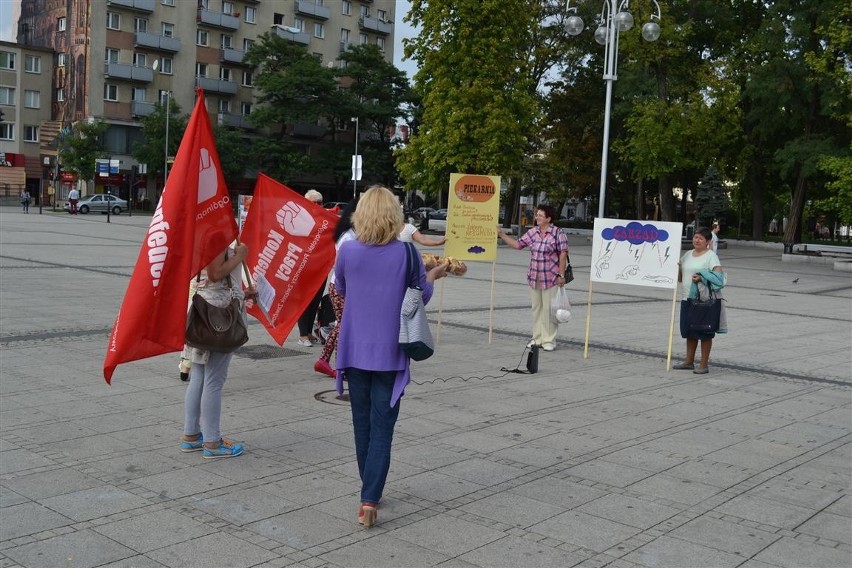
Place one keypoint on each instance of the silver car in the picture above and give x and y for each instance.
(99, 202)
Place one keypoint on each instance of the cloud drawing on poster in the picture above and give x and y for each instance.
(635, 233)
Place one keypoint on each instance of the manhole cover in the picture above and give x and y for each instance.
(258, 352)
(331, 397)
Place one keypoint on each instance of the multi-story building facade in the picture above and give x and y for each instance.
(25, 105)
(115, 58)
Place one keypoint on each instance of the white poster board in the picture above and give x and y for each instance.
(641, 253)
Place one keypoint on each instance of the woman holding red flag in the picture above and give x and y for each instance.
(219, 282)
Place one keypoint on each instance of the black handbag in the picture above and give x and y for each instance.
(569, 272)
(700, 316)
(212, 328)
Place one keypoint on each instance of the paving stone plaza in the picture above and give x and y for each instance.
(609, 460)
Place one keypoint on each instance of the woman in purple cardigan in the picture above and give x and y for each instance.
(371, 274)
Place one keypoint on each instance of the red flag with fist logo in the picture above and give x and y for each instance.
(193, 223)
(290, 244)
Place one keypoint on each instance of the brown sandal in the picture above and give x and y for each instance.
(367, 514)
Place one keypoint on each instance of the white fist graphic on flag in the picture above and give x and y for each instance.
(208, 177)
(295, 220)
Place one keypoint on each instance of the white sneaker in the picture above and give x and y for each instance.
(548, 346)
(305, 342)
(531, 343)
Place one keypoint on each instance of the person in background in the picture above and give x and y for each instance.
(203, 399)
(73, 198)
(371, 274)
(700, 258)
(309, 315)
(714, 232)
(549, 256)
(25, 200)
(411, 233)
(342, 232)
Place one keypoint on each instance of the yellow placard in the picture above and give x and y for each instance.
(472, 216)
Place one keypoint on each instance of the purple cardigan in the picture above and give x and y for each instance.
(372, 279)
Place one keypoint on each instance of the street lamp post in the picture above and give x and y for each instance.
(613, 20)
(55, 182)
(356, 162)
(166, 161)
(45, 174)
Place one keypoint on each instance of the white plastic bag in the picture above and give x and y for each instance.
(560, 308)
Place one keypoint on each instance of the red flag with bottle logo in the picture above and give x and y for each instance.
(290, 244)
(193, 223)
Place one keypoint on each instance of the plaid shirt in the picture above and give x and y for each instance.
(544, 262)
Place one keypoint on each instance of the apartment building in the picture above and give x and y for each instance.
(25, 97)
(115, 58)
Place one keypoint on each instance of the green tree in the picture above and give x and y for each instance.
(711, 199)
(672, 108)
(479, 101)
(293, 84)
(575, 124)
(793, 100)
(836, 63)
(152, 150)
(79, 151)
(232, 148)
(839, 202)
(378, 91)
(378, 94)
(294, 88)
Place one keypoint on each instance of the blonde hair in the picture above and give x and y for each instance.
(378, 218)
(313, 195)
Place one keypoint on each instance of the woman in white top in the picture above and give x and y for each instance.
(714, 232)
(410, 233)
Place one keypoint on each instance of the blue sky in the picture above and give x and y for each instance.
(403, 30)
(9, 10)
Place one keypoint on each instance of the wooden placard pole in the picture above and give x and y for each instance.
(245, 267)
(491, 307)
(671, 330)
(440, 312)
(588, 322)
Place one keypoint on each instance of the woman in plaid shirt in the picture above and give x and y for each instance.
(549, 248)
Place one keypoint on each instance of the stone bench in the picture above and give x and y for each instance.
(823, 250)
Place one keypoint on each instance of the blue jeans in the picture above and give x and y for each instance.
(373, 420)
